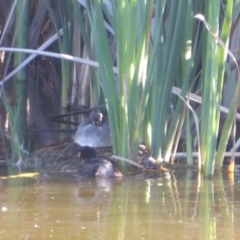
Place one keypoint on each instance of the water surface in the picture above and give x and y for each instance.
(178, 205)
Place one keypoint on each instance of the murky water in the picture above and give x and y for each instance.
(173, 206)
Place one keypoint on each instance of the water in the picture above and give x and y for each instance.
(179, 205)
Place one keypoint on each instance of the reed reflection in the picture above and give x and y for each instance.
(175, 205)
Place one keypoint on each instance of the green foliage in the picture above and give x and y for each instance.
(126, 99)
(145, 49)
(213, 78)
(148, 59)
(65, 17)
(154, 54)
(16, 143)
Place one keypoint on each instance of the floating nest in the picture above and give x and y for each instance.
(63, 156)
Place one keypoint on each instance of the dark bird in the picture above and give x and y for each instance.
(96, 166)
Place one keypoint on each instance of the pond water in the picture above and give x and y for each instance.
(176, 205)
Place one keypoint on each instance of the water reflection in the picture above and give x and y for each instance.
(177, 205)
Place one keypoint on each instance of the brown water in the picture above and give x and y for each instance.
(172, 206)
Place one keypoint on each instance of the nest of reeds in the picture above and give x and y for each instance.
(61, 156)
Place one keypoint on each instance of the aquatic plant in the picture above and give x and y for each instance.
(152, 61)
